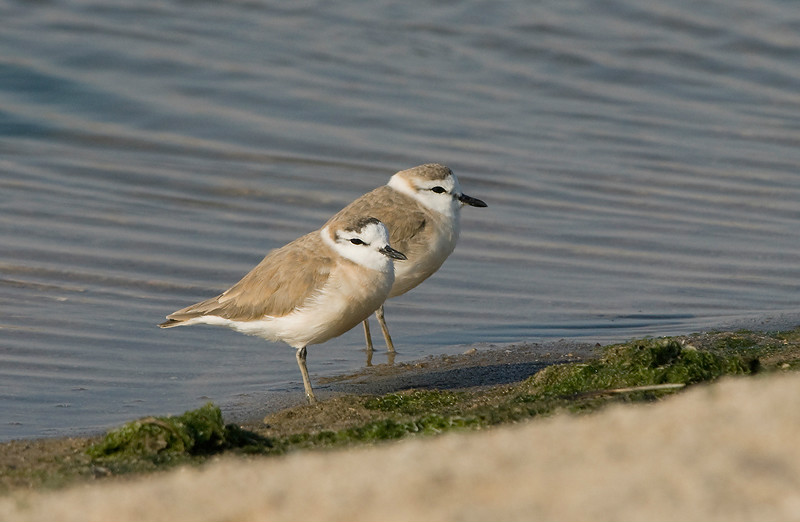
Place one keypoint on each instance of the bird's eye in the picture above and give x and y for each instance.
(357, 241)
(438, 190)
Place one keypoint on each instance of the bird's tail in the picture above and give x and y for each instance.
(190, 312)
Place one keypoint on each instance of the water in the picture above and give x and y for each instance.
(640, 160)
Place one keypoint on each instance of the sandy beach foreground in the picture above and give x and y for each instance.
(726, 451)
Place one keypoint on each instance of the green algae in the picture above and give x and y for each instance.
(379, 431)
(642, 370)
(639, 364)
(196, 432)
(148, 443)
(413, 402)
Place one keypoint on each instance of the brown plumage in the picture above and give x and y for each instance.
(281, 282)
(405, 234)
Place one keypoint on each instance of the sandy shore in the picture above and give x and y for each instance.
(727, 451)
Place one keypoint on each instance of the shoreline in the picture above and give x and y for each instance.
(453, 386)
(471, 370)
(474, 369)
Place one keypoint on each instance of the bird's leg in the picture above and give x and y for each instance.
(301, 362)
(385, 329)
(368, 336)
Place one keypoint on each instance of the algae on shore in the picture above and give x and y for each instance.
(195, 433)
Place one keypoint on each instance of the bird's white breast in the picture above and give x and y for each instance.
(439, 242)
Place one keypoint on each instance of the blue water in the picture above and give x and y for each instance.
(640, 160)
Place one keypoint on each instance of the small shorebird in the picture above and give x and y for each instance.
(421, 207)
(313, 289)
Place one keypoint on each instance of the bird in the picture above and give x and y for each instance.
(421, 207)
(311, 290)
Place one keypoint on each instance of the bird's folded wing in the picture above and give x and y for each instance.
(284, 280)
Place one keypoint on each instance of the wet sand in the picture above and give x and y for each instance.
(479, 367)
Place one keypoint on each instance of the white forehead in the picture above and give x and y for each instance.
(372, 232)
(448, 183)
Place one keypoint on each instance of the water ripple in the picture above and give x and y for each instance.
(639, 160)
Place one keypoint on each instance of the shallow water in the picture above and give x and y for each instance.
(639, 160)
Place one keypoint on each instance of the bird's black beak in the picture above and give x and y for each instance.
(391, 252)
(469, 200)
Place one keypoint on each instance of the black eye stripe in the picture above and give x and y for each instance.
(355, 240)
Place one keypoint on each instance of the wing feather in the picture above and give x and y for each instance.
(280, 283)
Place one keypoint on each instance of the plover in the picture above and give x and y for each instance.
(313, 289)
(421, 207)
